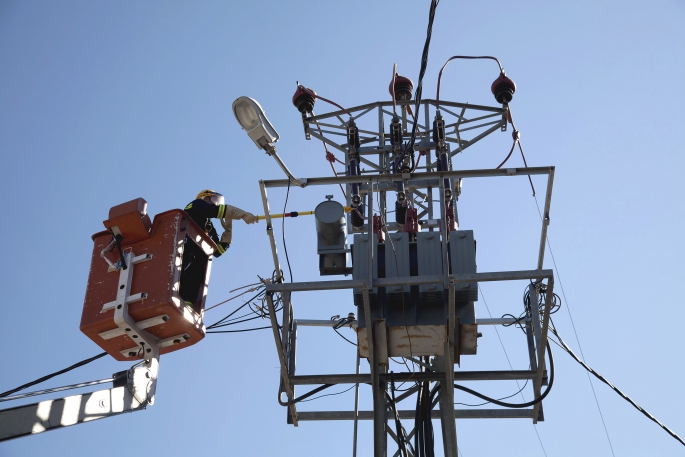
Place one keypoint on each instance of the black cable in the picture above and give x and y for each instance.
(238, 331)
(52, 375)
(226, 324)
(409, 149)
(399, 430)
(217, 323)
(258, 316)
(328, 395)
(615, 389)
(302, 397)
(343, 337)
(503, 398)
(517, 405)
(285, 248)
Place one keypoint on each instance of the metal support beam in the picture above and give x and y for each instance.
(285, 378)
(543, 341)
(520, 275)
(545, 217)
(449, 429)
(508, 375)
(524, 413)
(269, 228)
(380, 178)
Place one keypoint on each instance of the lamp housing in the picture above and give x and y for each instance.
(250, 115)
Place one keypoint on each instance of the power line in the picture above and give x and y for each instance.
(618, 391)
(52, 375)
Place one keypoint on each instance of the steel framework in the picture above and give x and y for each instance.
(464, 125)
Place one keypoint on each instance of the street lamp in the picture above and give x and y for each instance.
(252, 119)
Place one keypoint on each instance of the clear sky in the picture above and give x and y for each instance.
(102, 102)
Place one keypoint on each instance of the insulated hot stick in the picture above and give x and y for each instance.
(296, 214)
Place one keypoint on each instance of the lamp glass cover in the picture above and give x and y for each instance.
(247, 115)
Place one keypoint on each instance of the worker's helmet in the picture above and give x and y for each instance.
(215, 197)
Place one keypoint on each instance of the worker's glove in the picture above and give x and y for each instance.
(250, 218)
(226, 237)
(236, 213)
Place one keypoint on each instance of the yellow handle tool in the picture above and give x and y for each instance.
(296, 213)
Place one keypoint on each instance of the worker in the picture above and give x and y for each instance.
(207, 205)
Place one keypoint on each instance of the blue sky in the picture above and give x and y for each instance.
(102, 102)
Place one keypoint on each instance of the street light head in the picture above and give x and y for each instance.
(252, 119)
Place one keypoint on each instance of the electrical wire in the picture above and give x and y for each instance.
(233, 298)
(503, 398)
(220, 321)
(333, 103)
(565, 347)
(517, 405)
(328, 395)
(409, 149)
(437, 93)
(517, 140)
(329, 155)
(238, 331)
(343, 337)
(52, 375)
(302, 397)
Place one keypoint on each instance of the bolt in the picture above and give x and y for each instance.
(135, 336)
(479, 334)
(121, 286)
(149, 350)
(128, 329)
(118, 306)
(131, 354)
(165, 318)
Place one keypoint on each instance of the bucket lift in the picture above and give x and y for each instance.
(132, 306)
(133, 311)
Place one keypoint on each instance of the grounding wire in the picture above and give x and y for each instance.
(573, 325)
(510, 365)
(52, 375)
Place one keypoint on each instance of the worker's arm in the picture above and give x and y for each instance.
(208, 210)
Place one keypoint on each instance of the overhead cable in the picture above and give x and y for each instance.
(615, 389)
(52, 375)
(419, 86)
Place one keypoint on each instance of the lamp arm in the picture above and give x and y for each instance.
(271, 150)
